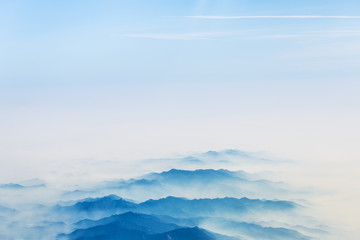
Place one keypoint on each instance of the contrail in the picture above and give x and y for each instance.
(283, 17)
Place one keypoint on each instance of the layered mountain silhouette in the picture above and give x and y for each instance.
(162, 216)
(176, 217)
(178, 207)
(145, 226)
(254, 230)
(135, 226)
(202, 204)
(191, 184)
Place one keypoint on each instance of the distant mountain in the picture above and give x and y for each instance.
(202, 204)
(215, 159)
(248, 230)
(254, 230)
(191, 184)
(177, 207)
(35, 182)
(134, 221)
(142, 226)
(184, 234)
(110, 202)
(94, 207)
(134, 226)
(179, 176)
(11, 186)
(167, 214)
(220, 188)
(181, 207)
(32, 183)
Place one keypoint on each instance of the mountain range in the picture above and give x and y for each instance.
(203, 204)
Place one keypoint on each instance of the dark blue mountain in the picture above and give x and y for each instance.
(127, 219)
(182, 207)
(177, 207)
(169, 213)
(184, 234)
(135, 221)
(134, 226)
(103, 204)
(245, 229)
(106, 232)
(91, 206)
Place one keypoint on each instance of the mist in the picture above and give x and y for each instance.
(52, 208)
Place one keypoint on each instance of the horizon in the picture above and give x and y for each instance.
(89, 88)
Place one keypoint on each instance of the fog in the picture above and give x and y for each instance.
(32, 209)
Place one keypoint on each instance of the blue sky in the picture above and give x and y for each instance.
(110, 42)
(103, 79)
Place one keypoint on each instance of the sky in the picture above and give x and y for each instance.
(128, 80)
(87, 81)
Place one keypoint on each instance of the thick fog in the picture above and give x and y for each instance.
(233, 193)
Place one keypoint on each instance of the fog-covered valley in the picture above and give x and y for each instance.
(195, 200)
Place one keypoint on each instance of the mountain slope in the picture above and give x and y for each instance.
(183, 234)
(191, 183)
(134, 226)
(176, 207)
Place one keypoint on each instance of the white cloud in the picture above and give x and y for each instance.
(313, 34)
(283, 17)
(245, 34)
